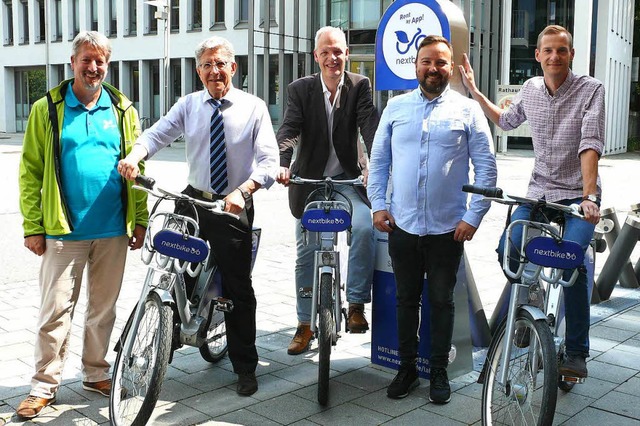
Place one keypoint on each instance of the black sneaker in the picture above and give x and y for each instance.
(405, 381)
(439, 389)
(247, 384)
(574, 366)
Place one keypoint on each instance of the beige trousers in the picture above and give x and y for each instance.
(63, 264)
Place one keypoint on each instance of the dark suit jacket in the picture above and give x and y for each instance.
(305, 125)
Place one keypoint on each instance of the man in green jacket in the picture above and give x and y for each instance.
(78, 211)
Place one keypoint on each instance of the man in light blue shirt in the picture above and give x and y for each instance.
(424, 142)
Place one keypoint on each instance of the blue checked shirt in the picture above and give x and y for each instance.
(428, 145)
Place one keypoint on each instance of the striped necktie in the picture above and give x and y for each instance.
(217, 149)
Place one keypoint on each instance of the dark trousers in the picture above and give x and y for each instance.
(231, 242)
(411, 256)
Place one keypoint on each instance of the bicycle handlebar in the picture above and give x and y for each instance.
(148, 185)
(497, 195)
(297, 180)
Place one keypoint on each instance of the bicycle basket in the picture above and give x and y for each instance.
(180, 246)
(548, 252)
(326, 220)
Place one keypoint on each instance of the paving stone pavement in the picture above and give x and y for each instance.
(196, 392)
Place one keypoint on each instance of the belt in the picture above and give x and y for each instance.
(203, 194)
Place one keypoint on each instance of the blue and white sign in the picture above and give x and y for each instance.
(401, 29)
(547, 252)
(179, 246)
(321, 220)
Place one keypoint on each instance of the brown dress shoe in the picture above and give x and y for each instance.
(301, 340)
(356, 322)
(102, 387)
(31, 407)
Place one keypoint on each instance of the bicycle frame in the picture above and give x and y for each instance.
(327, 260)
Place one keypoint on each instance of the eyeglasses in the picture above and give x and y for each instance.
(208, 66)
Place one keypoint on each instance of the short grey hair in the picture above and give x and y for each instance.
(215, 43)
(94, 39)
(328, 29)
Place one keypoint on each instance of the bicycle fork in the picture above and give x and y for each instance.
(326, 262)
(514, 307)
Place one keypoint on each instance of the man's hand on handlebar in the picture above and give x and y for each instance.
(234, 202)
(283, 176)
(128, 169)
(591, 211)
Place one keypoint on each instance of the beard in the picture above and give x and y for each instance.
(436, 86)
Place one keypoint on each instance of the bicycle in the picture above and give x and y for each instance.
(165, 318)
(327, 213)
(520, 376)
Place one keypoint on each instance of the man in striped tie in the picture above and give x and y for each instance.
(230, 159)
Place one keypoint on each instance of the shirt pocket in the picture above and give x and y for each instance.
(448, 133)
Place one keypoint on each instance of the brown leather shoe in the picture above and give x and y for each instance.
(301, 340)
(356, 321)
(102, 387)
(31, 407)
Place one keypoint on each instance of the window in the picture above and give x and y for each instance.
(135, 84)
(217, 14)
(132, 18)
(175, 16)
(23, 13)
(340, 13)
(365, 14)
(40, 22)
(57, 16)
(272, 12)
(112, 18)
(75, 19)
(7, 20)
(176, 81)
(150, 18)
(94, 15)
(195, 15)
(114, 73)
(243, 11)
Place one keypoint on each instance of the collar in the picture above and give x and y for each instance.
(437, 99)
(226, 99)
(563, 87)
(324, 86)
(71, 100)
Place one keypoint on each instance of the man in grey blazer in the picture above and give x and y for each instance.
(326, 113)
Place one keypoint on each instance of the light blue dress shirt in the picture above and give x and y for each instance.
(252, 150)
(425, 147)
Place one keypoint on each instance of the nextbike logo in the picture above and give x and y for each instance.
(556, 254)
(181, 247)
(548, 252)
(174, 244)
(323, 221)
(402, 27)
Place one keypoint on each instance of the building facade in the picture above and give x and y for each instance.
(153, 50)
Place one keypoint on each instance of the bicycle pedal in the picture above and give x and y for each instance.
(571, 379)
(305, 292)
(222, 304)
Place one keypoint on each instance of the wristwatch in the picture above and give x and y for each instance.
(591, 197)
(245, 194)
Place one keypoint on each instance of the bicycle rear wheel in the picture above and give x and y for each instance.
(137, 379)
(215, 347)
(325, 328)
(529, 396)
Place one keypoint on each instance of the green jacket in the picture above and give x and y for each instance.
(42, 202)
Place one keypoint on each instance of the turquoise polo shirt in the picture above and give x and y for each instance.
(90, 151)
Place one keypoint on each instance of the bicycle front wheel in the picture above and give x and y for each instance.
(137, 379)
(529, 395)
(325, 329)
(215, 346)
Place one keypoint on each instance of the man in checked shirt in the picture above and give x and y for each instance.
(566, 115)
